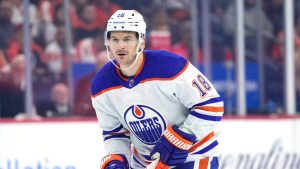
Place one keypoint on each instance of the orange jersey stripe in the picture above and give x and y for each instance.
(106, 90)
(201, 142)
(210, 108)
(203, 164)
(114, 133)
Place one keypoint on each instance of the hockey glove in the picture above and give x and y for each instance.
(114, 161)
(173, 147)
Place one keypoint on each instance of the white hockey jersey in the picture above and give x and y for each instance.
(167, 90)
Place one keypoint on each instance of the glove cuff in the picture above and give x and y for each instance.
(184, 134)
(112, 157)
(178, 138)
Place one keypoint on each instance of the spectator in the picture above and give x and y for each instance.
(274, 10)
(6, 27)
(59, 14)
(56, 68)
(177, 4)
(95, 47)
(251, 21)
(59, 105)
(18, 16)
(16, 48)
(276, 90)
(79, 3)
(12, 85)
(130, 4)
(52, 15)
(160, 34)
(83, 105)
(88, 48)
(217, 33)
(105, 9)
(184, 47)
(56, 55)
(177, 17)
(86, 23)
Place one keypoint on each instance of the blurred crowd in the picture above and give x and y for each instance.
(169, 27)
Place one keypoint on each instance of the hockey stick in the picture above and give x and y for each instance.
(156, 163)
(153, 164)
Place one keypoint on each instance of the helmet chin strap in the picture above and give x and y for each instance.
(138, 53)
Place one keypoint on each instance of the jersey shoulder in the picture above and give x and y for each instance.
(164, 64)
(159, 64)
(103, 79)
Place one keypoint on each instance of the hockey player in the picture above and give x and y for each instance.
(153, 105)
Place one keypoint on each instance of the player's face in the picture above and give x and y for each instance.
(123, 47)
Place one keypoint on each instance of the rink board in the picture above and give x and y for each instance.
(77, 144)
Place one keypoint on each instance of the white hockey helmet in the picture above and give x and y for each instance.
(126, 20)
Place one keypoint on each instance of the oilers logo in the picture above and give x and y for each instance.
(145, 123)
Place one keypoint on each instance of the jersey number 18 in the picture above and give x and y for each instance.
(201, 85)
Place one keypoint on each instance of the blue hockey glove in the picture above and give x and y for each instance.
(173, 146)
(114, 161)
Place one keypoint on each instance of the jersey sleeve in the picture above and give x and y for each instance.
(115, 136)
(205, 105)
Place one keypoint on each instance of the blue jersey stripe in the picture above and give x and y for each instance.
(209, 147)
(214, 164)
(206, 117)
(210, 101)
(114, 130)
(116, 136)
(147, 157)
